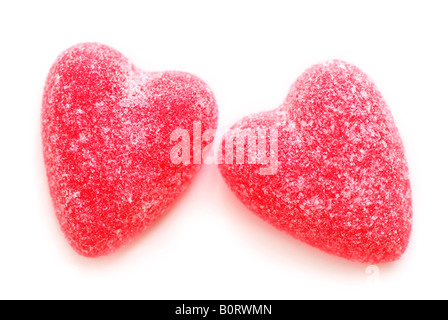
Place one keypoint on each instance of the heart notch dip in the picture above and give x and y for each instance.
(106, 129)
(341, 183)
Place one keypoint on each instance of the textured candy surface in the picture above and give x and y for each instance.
(106, 129)
(342, 180)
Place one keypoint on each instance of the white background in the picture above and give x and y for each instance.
(208, 246)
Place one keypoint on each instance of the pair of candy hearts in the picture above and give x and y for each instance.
(339, 180)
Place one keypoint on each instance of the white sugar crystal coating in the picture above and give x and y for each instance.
(106, 129)
(342, 182)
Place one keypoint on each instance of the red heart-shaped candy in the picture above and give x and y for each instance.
(328, 168)
(106, 131)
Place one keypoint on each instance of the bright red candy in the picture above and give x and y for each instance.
(106, 129)
(341, 182)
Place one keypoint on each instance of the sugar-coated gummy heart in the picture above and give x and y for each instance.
(106, 129)
(342, 182)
